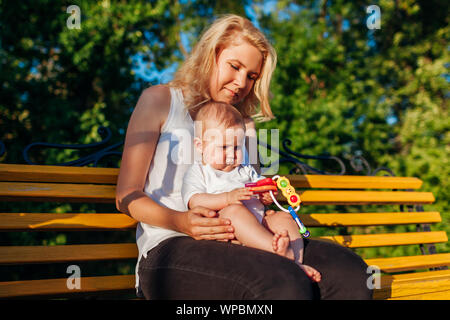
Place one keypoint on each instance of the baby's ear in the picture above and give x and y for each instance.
(198, 144)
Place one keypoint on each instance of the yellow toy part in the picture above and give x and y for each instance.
(288, 191)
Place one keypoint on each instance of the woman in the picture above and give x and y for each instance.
(233, 63)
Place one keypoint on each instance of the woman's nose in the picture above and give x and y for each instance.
(240, 80)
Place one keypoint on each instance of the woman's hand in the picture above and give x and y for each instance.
(239, 194)
(204, 224)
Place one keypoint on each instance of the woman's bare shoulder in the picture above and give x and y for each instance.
(156, 97)
(155, 102)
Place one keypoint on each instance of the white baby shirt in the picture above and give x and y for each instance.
(201, 178)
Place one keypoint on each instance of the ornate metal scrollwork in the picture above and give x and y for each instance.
(93, 158)
(287, 155)
(357, 162)
(290, 156)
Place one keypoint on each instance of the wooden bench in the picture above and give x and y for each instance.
(405, 277)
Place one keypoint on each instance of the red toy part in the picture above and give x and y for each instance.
(266, 182)
(262, 189)
(263, 182)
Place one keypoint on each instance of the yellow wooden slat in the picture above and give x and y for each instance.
(439, 295)
(43, 173)
(313, 197)
(17, 191)
(36, 173)
(64, 253)
(397, 264)
(65, 221)
(368, 219)
(119, 221)
(403, 285)
(64, 192)
(391, 239)
(55, 287)
(353, 182)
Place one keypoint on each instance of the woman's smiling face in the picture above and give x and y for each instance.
(238, 66)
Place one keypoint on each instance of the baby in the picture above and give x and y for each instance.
(218, 183)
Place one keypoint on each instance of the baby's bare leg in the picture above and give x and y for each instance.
(287, 223)
(250, 232)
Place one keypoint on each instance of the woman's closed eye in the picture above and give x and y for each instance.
(249, 76)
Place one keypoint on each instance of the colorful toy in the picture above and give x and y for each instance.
(288, 192)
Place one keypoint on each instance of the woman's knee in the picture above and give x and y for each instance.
(344, 273)
(284, 281)
(352, 278)
(357, 279)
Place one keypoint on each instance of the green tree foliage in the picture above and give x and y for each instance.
(342, 89)
(60, 84)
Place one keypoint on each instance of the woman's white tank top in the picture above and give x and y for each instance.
(173, 156)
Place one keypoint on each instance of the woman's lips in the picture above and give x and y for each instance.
(233, 94)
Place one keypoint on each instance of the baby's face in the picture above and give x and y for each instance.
(221, 147)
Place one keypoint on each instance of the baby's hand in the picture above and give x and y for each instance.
(266, 199)
(239, 194)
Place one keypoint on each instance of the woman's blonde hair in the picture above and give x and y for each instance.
(194, 74)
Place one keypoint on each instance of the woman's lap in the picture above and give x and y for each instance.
(177, 269)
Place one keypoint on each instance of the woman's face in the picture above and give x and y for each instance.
(238, 66)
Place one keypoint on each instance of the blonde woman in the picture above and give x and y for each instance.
(178, 258)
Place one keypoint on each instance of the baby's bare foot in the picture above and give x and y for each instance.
(312, 273)
(280, 243)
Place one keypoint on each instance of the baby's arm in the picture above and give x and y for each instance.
(211, 201)
(220, 200)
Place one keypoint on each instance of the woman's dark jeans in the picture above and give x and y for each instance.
(184, 268)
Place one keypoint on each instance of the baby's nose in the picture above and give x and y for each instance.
(230, 156)
(229, 161)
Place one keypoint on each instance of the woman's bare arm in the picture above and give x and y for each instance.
(140, 144)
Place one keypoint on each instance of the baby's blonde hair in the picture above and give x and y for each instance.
(194, 74)
(218, 114)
